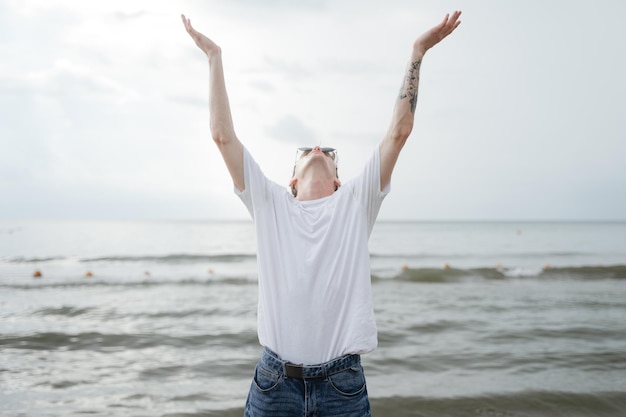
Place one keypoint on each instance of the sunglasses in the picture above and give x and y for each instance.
(305, 150)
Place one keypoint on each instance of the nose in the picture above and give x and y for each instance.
(317, 148)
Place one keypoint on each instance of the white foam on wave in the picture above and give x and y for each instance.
(519, 272)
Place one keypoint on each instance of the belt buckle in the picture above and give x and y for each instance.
(293, 371)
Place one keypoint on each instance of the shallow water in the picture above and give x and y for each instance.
(475, 319)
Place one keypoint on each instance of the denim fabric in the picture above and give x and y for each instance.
(334, 388)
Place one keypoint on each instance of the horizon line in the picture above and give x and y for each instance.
(381, 220)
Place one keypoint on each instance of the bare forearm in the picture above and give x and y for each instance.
(222, 129)
(402, 119)
(221, 121)
(409, 89)
(404, 110)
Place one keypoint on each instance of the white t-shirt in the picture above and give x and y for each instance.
(315, 298)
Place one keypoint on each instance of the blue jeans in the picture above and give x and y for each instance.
(334, 388)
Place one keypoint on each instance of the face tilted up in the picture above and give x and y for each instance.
(317, 161)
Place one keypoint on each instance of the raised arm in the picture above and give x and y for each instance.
(222, 129)
(404, 111)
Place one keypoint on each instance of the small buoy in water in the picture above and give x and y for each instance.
(546, 266)
(37, 274)
(446, 266)
(405, 267)
(210, 270)
(498, 266)
(88, 274)
(146, 273)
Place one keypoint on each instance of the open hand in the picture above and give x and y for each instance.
(207, 45)
(436, 34)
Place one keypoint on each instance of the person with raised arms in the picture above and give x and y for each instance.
(315, 310)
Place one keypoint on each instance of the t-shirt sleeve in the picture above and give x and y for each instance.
(255, 183)
(366, 188)
(259, 192)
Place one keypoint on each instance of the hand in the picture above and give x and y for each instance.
(435, 35)
(207, 45)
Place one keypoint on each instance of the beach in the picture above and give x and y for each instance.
(139, 318)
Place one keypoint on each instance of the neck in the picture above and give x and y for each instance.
(314, 188)
(315, 177)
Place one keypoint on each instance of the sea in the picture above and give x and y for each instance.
(158, 318)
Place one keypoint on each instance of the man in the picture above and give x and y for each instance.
(315, 313)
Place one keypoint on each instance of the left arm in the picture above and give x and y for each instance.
(404, 111)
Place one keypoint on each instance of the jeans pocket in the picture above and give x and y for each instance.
(265, 380)
(350, 382)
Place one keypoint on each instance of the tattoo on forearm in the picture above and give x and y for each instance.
(410, 84)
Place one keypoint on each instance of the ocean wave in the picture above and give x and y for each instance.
(69, 311)
(34, 284)
(503, 355)
(449, 274)
(180, 258)
(66, 311)
(586, 272)
(572, 333)
(526, 403)
(176, 258)
(443, 275)
(508, 255)
(33, 260)
(521, 404)
(95, 341)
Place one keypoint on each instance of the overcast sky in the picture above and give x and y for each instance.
(104, 115)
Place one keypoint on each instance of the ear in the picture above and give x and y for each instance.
(337, 182)
(292, 184)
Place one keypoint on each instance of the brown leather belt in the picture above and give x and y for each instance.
(293, 371)
(304, 372)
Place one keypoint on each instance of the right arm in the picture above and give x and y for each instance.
(222, 129)
(404, 111)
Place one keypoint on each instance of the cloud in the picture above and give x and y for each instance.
(189, 100)
(292, 68)
(265, 6)
(292, 130)
(263, 86)
(109, 100)
(124, 16)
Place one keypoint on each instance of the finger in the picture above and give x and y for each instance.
(456, 22)
(188, 26)
(453, 22)
(453, 18)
